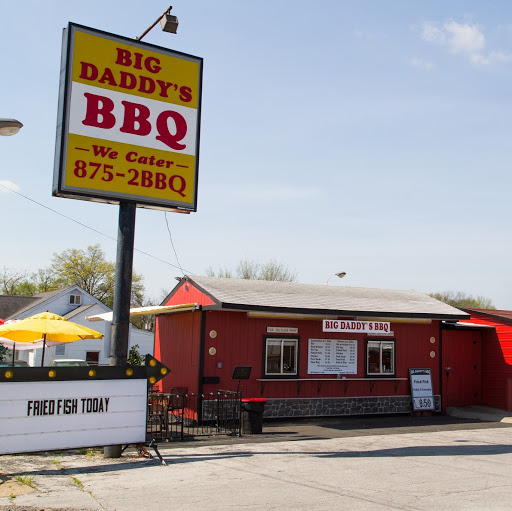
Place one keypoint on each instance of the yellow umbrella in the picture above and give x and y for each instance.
(49, 327)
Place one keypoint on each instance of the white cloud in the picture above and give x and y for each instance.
(432, 34)
(5, 186)
(462, 39)
(494, 56)
(425, 65)
(364, 34)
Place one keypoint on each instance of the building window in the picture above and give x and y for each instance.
(74, 299)
(380, 358)
(92, 357)
(281, 357)
(60, 349)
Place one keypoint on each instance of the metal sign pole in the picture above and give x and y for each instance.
(122, 297)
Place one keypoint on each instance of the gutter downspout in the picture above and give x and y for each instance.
(200, 369)
(441, 366)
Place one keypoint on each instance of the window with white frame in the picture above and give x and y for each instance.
(281, 356)
(380, 358)
(60, 349)
(75, 299)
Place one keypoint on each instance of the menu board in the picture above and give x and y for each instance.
(421, 389)
(332, 356)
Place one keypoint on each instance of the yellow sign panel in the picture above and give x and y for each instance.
(130, 122)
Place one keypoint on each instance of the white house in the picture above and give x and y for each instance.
(74, 304)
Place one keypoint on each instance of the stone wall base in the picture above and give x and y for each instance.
(326, 406)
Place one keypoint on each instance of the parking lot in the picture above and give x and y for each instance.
(317, 464)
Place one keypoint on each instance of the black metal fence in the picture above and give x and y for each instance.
(177, 416)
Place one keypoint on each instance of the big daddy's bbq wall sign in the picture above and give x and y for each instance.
(68, 407)
(128, 122)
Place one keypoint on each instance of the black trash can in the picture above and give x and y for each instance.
(252, 415)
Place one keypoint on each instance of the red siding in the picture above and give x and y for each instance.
(462, 368)
(239, 341)
(187, 293)
(177, 341)
(496, 360)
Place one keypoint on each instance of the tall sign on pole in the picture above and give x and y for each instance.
(128, 123)
(127, 134)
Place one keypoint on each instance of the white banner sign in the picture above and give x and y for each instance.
(362, 327)
(332, 356)
(41, 416)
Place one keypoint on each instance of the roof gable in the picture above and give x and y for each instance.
(186, 293)
(241, 294)
(44, 300)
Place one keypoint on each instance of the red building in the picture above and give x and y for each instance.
(489, 348)
(298, 365)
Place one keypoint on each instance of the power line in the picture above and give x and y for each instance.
(96, 230)
(172, 243)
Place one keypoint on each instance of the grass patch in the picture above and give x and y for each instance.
(27, 480)
(78, 483)
(58, 464)
(90, 451)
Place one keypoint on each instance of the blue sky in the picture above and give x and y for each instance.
(372, 137)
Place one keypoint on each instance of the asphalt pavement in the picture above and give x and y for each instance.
(316, 464)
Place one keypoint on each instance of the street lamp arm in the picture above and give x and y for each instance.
(167, 11)
(340, 274)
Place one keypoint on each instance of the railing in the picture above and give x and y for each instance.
(179, 415)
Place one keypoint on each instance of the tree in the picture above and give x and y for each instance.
(134, 357)
(252, 270)
(463, 300)
(3, 352)
(20, 283)
(224, 273)
(92, 272)
(86, 268)
(44, 279)
(11, 281)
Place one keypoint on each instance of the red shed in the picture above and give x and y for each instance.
(496, 356)
(315, 350)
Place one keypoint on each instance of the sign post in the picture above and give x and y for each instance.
(127, 134)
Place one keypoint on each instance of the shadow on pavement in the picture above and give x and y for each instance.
(425, 450)
(277, 431)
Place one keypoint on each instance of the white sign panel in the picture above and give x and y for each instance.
(282, 330)
(421, 389)
(40, 416)
(361, 327)
(332, 356)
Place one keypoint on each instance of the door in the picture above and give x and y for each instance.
(461, 368)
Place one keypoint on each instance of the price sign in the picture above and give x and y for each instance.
(422, 394)
(128, 122)
(332, 356)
